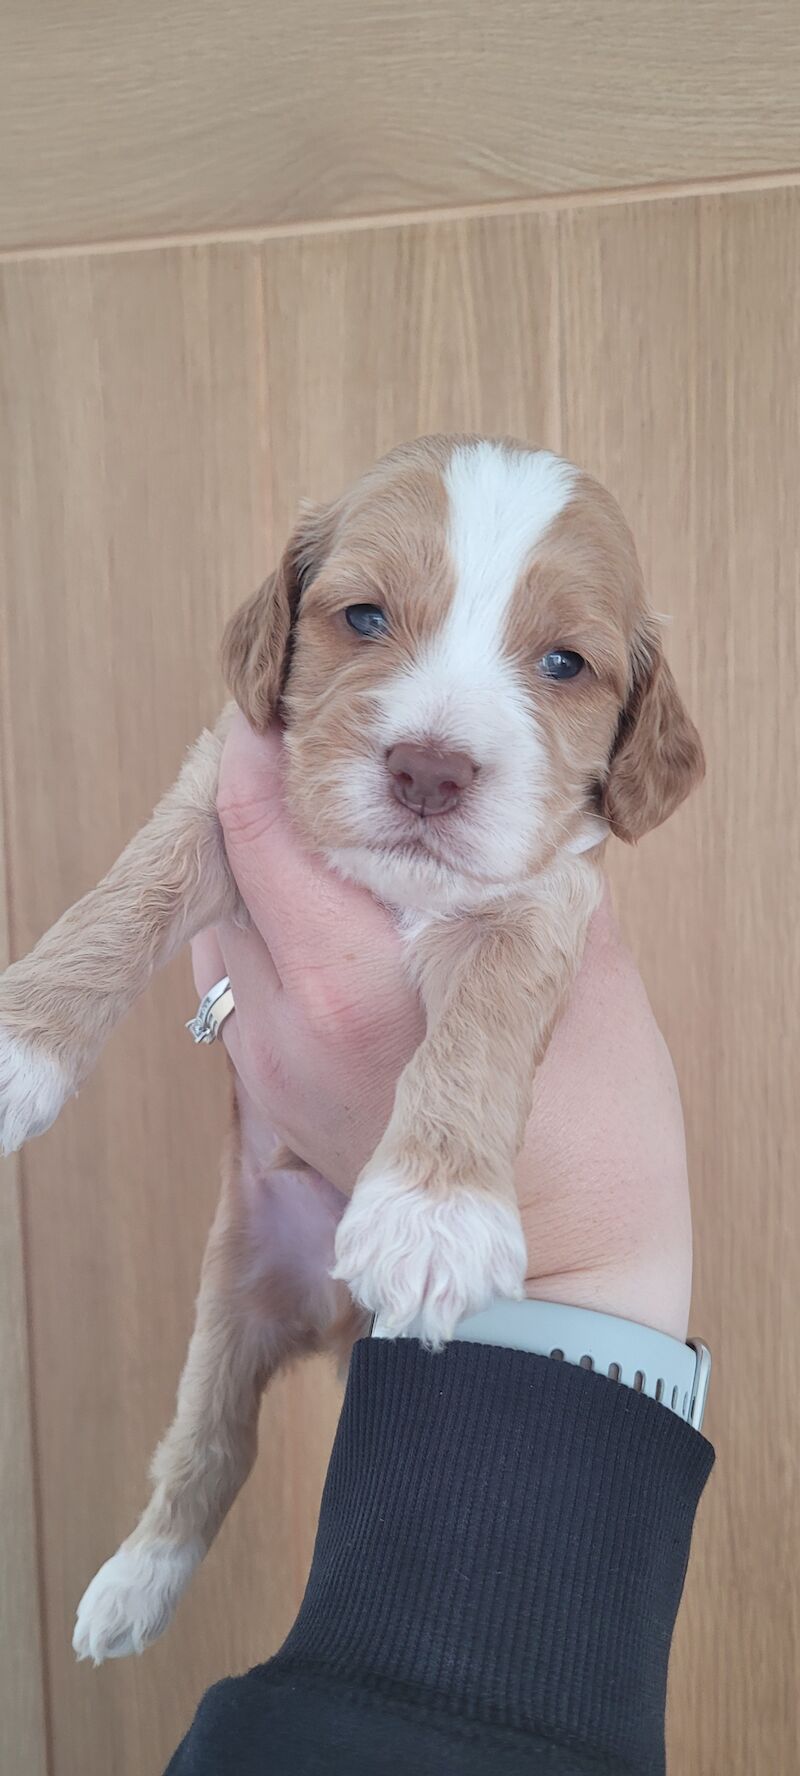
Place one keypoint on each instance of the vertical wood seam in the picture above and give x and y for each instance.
(558, 330)
(24, 1248)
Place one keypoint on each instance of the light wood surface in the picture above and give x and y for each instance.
(681, 358)
(187, 115)
(136, 480)
(22, 1681)
(375, 337)
(166, 410)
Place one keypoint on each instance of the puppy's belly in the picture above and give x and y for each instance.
(289, 1222)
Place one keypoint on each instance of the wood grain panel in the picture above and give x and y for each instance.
(163, 413)
(681, 359)
(376, 337)
(176, 116)
(23, 1739)
(136, 478)
(163, 408)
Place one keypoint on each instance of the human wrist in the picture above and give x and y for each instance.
(670, 1371)
(645, 1300)
(609, 1230)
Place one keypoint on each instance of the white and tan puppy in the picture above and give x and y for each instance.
(473, 695)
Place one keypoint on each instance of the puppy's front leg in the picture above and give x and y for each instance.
(59, 1004)
(432, 1232)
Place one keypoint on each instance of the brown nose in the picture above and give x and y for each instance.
(428, 779)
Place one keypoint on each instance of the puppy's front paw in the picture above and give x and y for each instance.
(423, 1258)
(132, 1598)
(33, 1088)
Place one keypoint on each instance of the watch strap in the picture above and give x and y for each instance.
(639, 1357)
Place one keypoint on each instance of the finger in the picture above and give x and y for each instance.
(208, 964)
(246, 960)
(262, 1024)
(289, 894)
(208, 967)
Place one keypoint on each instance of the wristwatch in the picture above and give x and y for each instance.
(674, 1374)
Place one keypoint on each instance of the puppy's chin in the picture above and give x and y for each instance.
(409, 879)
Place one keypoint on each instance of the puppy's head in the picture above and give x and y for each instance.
(463, 657)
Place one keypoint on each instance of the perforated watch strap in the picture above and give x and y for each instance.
(652, 1363)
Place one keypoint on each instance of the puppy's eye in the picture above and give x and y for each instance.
(561, 663)
(367, 619)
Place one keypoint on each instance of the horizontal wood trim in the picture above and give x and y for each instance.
(182, 117)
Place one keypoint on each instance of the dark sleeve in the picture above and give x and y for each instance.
(499, 1562)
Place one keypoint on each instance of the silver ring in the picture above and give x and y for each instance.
(212, 1011)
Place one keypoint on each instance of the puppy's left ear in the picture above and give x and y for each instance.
(257, 640)
(657, 758)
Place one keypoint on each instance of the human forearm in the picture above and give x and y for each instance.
(499, 1562)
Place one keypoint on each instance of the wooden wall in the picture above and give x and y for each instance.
(176, 116)
(162, 409)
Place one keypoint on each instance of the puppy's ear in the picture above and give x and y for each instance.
(658, 756)
(256, 641)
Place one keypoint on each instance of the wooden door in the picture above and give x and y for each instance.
(163, 408)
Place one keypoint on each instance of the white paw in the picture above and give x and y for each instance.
(424, 1260)
(33, 1088)
(132, 1598)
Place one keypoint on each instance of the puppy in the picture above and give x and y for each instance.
(473, 695)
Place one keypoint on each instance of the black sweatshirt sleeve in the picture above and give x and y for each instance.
(500, 1557)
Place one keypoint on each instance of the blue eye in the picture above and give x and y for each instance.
(562, 663)
(367, 619)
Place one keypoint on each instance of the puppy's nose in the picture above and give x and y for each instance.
(428, 779)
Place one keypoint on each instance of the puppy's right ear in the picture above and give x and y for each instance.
(256, 641)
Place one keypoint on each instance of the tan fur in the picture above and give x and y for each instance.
(492, 992)
(492, 979)
(247, 1327)
(623, 733)
(657, 758)
(255, 642)
(170, 882)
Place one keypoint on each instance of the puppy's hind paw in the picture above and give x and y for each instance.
(132, 1598)
(423, 1259)
(33, 1088)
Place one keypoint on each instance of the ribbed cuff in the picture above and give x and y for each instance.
(504, 1537)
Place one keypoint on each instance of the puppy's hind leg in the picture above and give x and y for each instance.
(265, 1297)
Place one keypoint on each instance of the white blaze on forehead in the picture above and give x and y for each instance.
(461, 688)
(502, 502)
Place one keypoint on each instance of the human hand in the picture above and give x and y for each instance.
(325, 1021)
(325, 1017)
